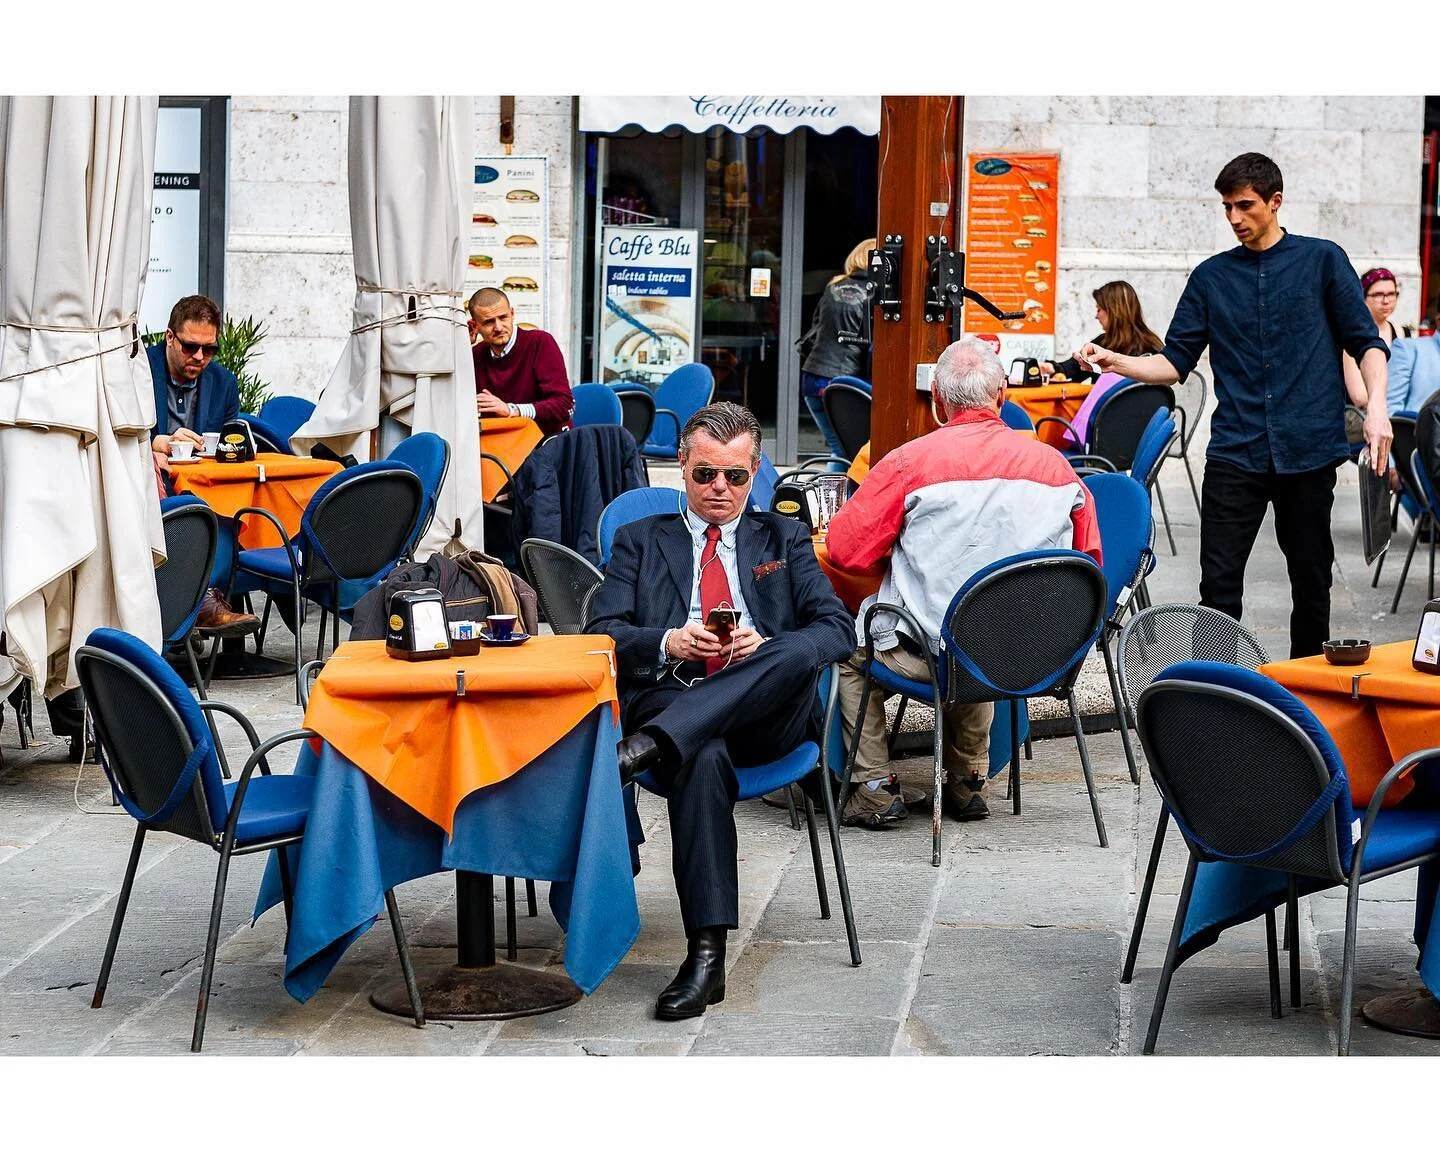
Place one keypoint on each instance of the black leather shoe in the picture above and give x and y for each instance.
(700, 981)
(638, 753)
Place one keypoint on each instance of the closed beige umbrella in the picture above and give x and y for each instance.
(408, 355)
(80, 529)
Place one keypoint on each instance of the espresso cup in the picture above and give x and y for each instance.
(501, 627)
(181, 449)
(212, 442)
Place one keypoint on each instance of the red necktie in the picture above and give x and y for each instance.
(714, 588)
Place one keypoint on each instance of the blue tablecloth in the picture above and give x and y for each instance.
(560, 819)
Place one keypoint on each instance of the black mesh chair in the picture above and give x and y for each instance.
(1191, 396)
(848, 410)
(1151, 642)
(157, 751)
(1116, 425)
(1425, 524)
(637, 411)
(355, 529)
(1017, 628)
(1272, 794)
(562, 579)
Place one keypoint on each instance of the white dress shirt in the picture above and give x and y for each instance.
(725, 554)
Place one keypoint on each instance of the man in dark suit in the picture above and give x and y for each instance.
(696, 702)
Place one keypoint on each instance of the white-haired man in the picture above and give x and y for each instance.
(937, 510)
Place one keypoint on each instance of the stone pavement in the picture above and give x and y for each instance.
(1012, 946)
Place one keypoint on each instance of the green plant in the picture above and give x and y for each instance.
(239, 344)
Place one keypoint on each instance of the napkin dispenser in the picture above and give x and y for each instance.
(1426, 657)
(791, 500)
(237, 443)
(417, 626)
(1025, 372)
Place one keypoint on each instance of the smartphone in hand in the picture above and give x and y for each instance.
(721, 622)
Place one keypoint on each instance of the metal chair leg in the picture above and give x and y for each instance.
(335, 622)
(845, 785)
(510, 952)
(121, 904)
(1012, 786)
(1115, 696)
(1292, 934)
(1347, 967)
(1168, 970)
(1190, 472)
(212, 941)
(939, 782)
(895, 731)
(841, 880)
(1142, 909)
(1272, 964)
(1409, 554)
(209, 717)
(815, 855)
(1085, 767)
(1165, 518)
(287, 887)
(790, 805)
(299, 658)
(401, 947)
(530, 899)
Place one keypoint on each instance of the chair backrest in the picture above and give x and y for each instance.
(428, 455)
(1021, 626)
(562, 578)
(1127, 531)
(1247, 771)
(1167, 634)
(848, 410)
(1122, 416)
(147, 727)
(762, 488)
(1424, 485)
(191, 536)
(1402, 424)
(636, 504)
(637, 410)
(361, 521)
(285, 414)
(1153, 447)
(854, 382)
(596, 404)
(267, 439)
(1016, 417)
(682, 393)
(1191, 395)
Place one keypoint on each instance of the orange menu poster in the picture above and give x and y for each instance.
(1012, 211)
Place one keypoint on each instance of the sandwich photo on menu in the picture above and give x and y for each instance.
(520, 284)
(484, 219)
(522, 195)
(520, 240)
(480, 260)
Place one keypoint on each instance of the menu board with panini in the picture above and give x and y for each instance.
(1012, 210)
(647, 290)
(509, 232)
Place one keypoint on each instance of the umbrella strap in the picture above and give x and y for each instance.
(412, 312)
(133, 343)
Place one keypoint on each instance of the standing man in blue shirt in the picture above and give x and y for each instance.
(1276, 313)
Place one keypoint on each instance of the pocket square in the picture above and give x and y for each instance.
(763, 570)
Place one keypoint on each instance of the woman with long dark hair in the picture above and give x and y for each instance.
(1117, 311)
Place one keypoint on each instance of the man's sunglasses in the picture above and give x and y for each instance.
(190, 348)
(735, 477)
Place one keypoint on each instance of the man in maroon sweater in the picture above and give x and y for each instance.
(518, 372)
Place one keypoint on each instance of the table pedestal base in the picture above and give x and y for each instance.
(497, 992)
(1414, 1013)
(236, 662)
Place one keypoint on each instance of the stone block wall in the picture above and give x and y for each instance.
(288, 254)
(1137, 172)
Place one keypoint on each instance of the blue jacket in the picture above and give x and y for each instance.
(219, 398)
(1414, 373)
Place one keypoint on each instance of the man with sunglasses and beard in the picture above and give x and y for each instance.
(195, 394)
(698, 700)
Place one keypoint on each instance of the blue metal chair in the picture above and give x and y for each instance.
(636, 504)
(159, 755)
(1150, 454)
(285, 414)
(1127, 537)
(806, 762)
(1119, 420)
(680, 395)
(355, 529)
(267, 437)
(1019, 627)
(762, 488)
(596, 404)
(428, 454)
(1016, 417)
(1271, 795)
(853, 382)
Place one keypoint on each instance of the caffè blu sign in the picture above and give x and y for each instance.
(736, 113)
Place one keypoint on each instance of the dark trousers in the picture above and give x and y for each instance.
(748, 714)
(1233, 504)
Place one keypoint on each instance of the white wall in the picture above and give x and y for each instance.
(1137, 174)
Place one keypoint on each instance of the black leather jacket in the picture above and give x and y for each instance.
(841, 309)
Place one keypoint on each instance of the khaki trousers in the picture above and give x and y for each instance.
(965, 745)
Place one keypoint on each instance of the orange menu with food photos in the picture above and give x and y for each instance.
(1011, 217)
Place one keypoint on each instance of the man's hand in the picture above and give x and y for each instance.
(692, 642)
(162, 459)
(1092, 356)
(743, 642)
(1378, 437)
(161, 444)
(488, 404)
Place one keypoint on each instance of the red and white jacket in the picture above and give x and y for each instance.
(946, 505)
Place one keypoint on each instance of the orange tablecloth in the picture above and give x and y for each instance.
(404, 726)
(507, 438)
(1050, 400)
(860, 466)
(1398, 711)
(850, 588)
(289, 483)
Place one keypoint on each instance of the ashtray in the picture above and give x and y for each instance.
(464, 647)
(515, 639)
(1347, 651)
